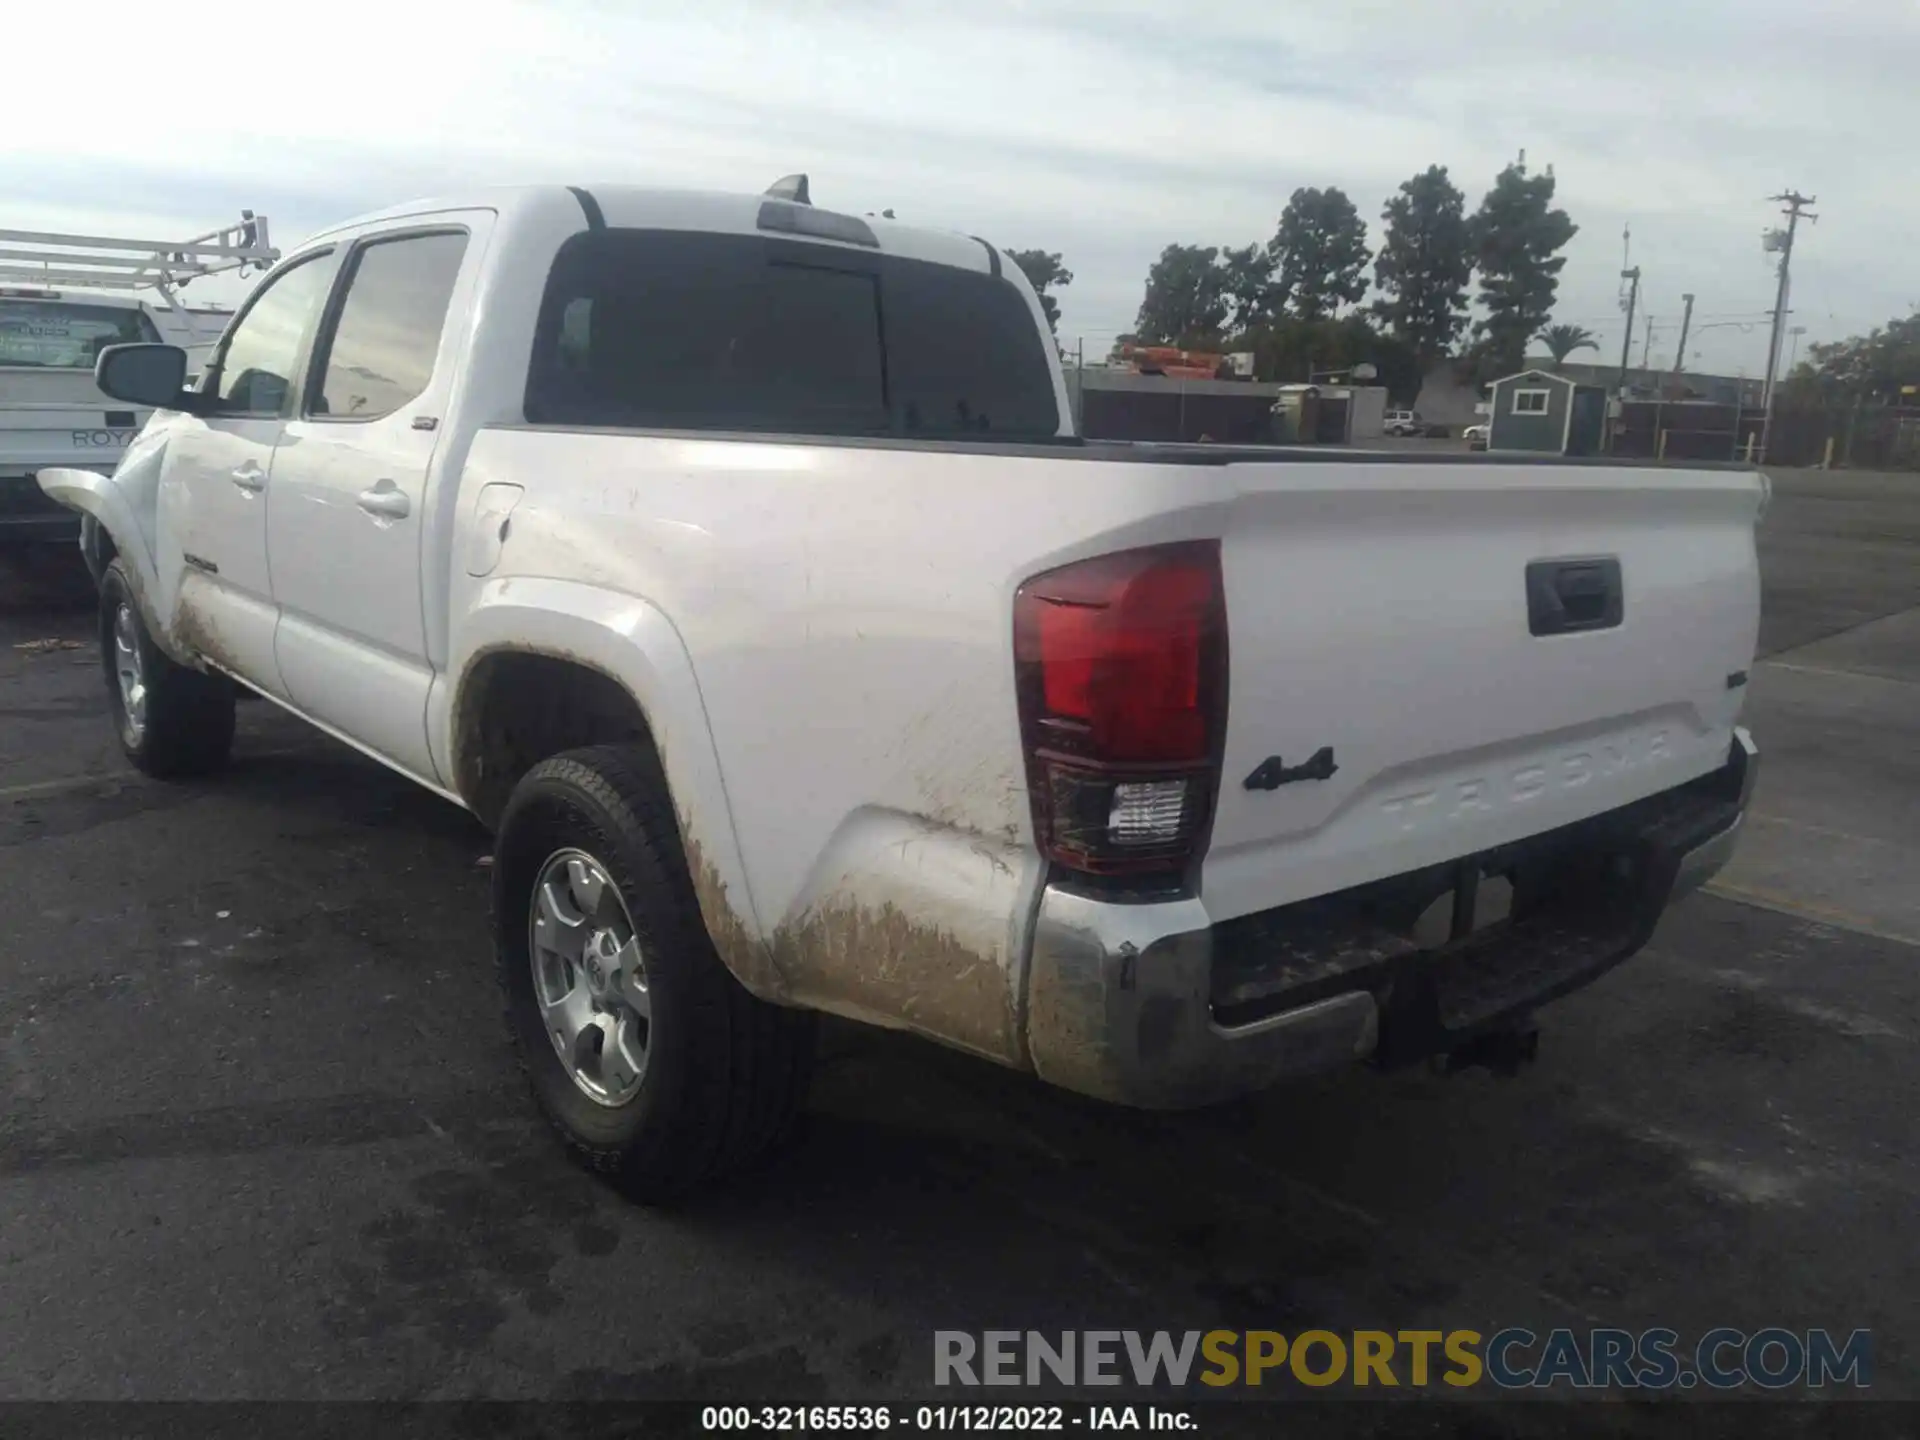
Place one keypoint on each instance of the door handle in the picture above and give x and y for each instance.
(250, 478)
(1565, 597)
(385, 501)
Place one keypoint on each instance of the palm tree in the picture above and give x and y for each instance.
(1563, 340)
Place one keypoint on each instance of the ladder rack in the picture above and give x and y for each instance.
(104, 262)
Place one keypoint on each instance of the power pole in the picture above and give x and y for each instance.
(1793, 347)
(1626, 344)
(1646, 350)
(1686, 323)
(1781, 240)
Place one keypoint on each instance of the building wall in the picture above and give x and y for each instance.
(1717, 389)
(1539, 433)
(1124, 405)
(1369, 404)
(1171, 416)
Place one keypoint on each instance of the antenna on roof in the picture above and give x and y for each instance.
(790, 187)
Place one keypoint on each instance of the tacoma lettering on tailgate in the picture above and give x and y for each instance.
(1482, 795)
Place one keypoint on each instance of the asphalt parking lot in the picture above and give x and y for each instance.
(262, 1136)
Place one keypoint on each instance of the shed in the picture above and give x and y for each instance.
(1545, 413)
(1314, 415)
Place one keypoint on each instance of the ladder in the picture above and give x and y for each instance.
(105, 262)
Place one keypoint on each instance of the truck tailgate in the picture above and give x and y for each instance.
(42, 435)
(1382, 613)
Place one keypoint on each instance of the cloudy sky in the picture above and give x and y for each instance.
(1102, 130)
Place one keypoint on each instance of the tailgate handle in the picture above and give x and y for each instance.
(1565, 597)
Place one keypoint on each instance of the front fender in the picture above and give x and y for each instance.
(98, 499)
(633, 643)
(125, 505)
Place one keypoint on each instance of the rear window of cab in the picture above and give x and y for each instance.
(64, 335)
(658, 329)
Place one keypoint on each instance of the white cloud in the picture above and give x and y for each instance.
(1103, 130)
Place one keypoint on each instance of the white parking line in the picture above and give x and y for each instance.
(70, 782)
(1780, 904)
(1811, 829)
(1832, 673)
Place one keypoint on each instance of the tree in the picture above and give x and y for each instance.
(1425, 262)
(1292, 349)
(1320, 252)
(1045, 272)
(1517, 237)
(1873, 366)
(1247, 280)
(1186, 301)
(1562, 340)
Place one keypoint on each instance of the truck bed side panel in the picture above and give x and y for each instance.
(848, 615)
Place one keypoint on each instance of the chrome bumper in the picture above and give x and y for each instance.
(1120, 997)
(1119, 1007)
(1704, 861)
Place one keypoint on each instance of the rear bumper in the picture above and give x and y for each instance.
(1154, 1006)
(1701, 862)
(28, 515)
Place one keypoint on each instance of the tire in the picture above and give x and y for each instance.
(718, 1077)
(179, 722)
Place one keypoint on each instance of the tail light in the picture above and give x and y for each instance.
(1122, 672)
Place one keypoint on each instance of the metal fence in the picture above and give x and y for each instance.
(1863, 437)
(1867, 437)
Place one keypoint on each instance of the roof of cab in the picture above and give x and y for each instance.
(649, 207)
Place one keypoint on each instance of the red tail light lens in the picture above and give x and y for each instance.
(1122, 672)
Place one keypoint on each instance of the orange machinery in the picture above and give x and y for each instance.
(1171, 360)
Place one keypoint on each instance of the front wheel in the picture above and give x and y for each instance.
(173, 722)
(654, 1064)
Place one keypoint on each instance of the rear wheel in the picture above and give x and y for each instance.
(654, 1064)
(173, 722)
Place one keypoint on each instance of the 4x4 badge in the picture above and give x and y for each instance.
(1272, 772)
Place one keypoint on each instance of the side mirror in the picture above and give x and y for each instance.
(149, 375)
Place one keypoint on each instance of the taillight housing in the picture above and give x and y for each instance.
(1121, 665)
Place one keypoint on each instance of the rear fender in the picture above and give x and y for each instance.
(634, 644)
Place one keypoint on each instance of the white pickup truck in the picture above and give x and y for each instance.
(735, 562)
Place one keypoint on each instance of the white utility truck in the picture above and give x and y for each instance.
(63, 299)
(735, 562)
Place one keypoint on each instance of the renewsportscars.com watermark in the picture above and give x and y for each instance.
(1509, 1359)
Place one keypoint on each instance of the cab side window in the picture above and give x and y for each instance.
(381, 353)
(258, 364)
